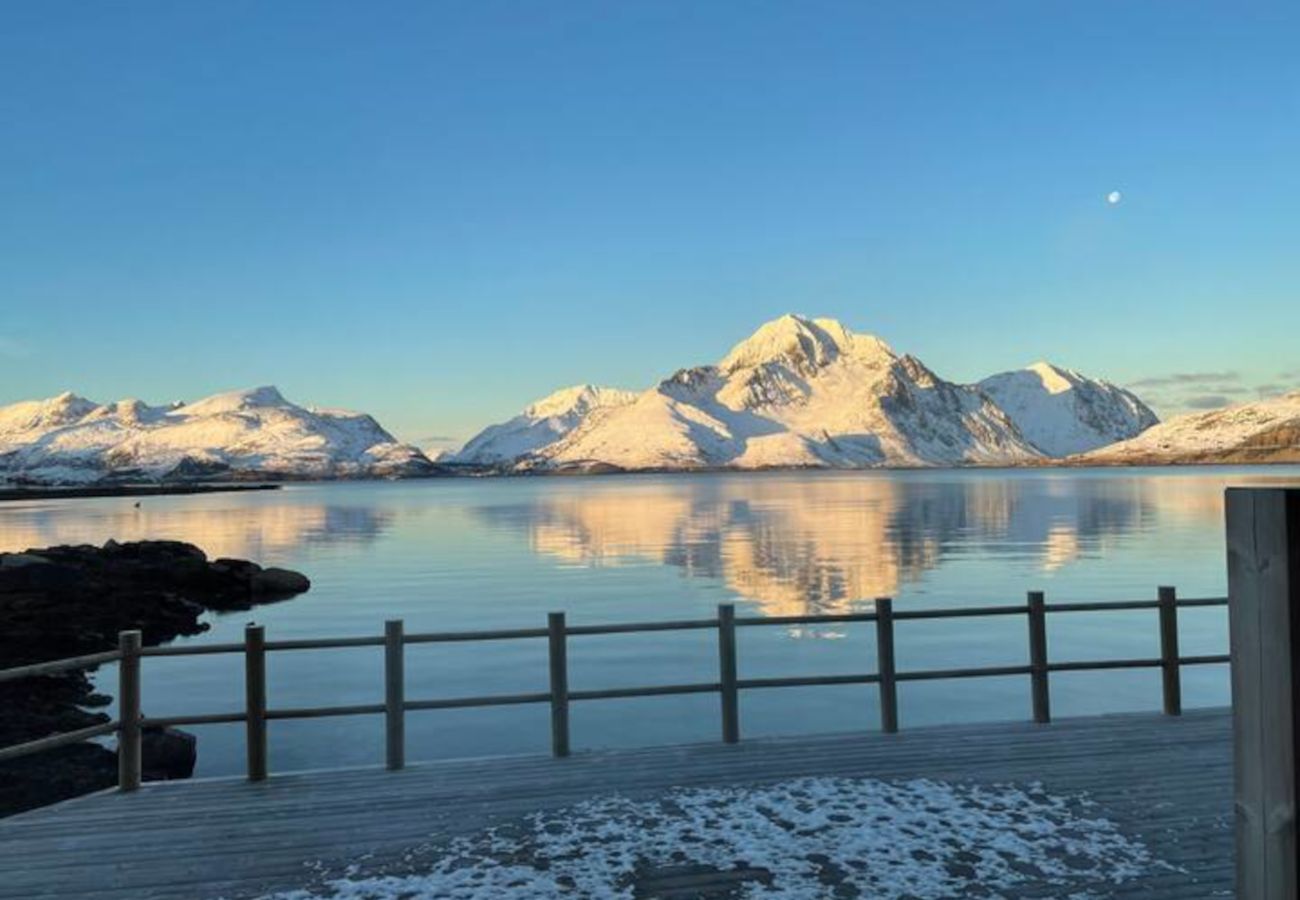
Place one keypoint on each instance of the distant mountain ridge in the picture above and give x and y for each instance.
(1263, 431)
(254, 433)
(810, 392)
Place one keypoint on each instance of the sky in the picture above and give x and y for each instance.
(438, 212)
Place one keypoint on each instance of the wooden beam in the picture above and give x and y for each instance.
(1263, 535)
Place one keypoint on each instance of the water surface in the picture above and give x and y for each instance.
(501, 553)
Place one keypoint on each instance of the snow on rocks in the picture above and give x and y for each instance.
(806, 838)
(254, 433)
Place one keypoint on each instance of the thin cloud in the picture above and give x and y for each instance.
(1277, 389)
(1185, 379)
(1207, 401)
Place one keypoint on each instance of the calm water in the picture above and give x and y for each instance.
(455, 554)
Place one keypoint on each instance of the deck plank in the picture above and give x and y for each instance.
(1164, 780)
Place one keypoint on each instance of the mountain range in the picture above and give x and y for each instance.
(798, 392)
(812, 393)
(254, 433)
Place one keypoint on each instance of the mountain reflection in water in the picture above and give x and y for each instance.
(266, 531)
(825, 545)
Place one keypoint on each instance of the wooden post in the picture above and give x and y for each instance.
(885, 665)
(129, 761)
(394, 694)
(255, 700)
(1038, 658)
(559, 657)
(727, 672)
(1170, 670)
(1263, 530)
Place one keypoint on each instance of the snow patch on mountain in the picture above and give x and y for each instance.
(237, 434)
(1063, 413)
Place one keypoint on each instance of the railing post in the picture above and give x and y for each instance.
(559, 658)
(255, 700)
(129, 762)
(394, 694)
(885, 665)
(1171, 676)
(1038, 658)
(727, 672)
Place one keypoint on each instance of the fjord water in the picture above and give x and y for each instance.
(454, 554)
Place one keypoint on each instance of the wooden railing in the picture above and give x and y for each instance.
(728, 686)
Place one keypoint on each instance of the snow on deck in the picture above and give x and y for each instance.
(1116, 806)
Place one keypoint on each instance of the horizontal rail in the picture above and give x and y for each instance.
(658, 690)
(324, 643)
(439, 637)
(807, 681)
(57, 740)
(55, 666)
(989, 671)
(806, 620)
(321, 712)
(1083, 665)
(961, 612)
(192, 649)
(490, 700)
(679, 625)
(208, 719)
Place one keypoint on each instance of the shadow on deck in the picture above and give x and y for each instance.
(1165, 782)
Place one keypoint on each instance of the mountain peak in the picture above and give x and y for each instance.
(233, 401)
(1054, 378)
(579, 397)
(801, 342)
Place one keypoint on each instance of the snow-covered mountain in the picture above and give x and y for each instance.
(798, 392)
(241, 434)
(1263, 431)
(541, 424)
(1062, 412)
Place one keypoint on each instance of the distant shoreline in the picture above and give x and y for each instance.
(125, 490)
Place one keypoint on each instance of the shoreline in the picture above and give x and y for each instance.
(125, 490)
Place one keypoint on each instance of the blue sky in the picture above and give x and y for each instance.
(438, 211)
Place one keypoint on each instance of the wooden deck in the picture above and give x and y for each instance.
(1164, 780)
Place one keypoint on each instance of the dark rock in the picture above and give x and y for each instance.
(66, 601)
(279, 582)
(168, 754)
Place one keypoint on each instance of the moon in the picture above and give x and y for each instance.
(1114, 197)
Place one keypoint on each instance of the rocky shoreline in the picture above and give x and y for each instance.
(9, 492)
(66, 601)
